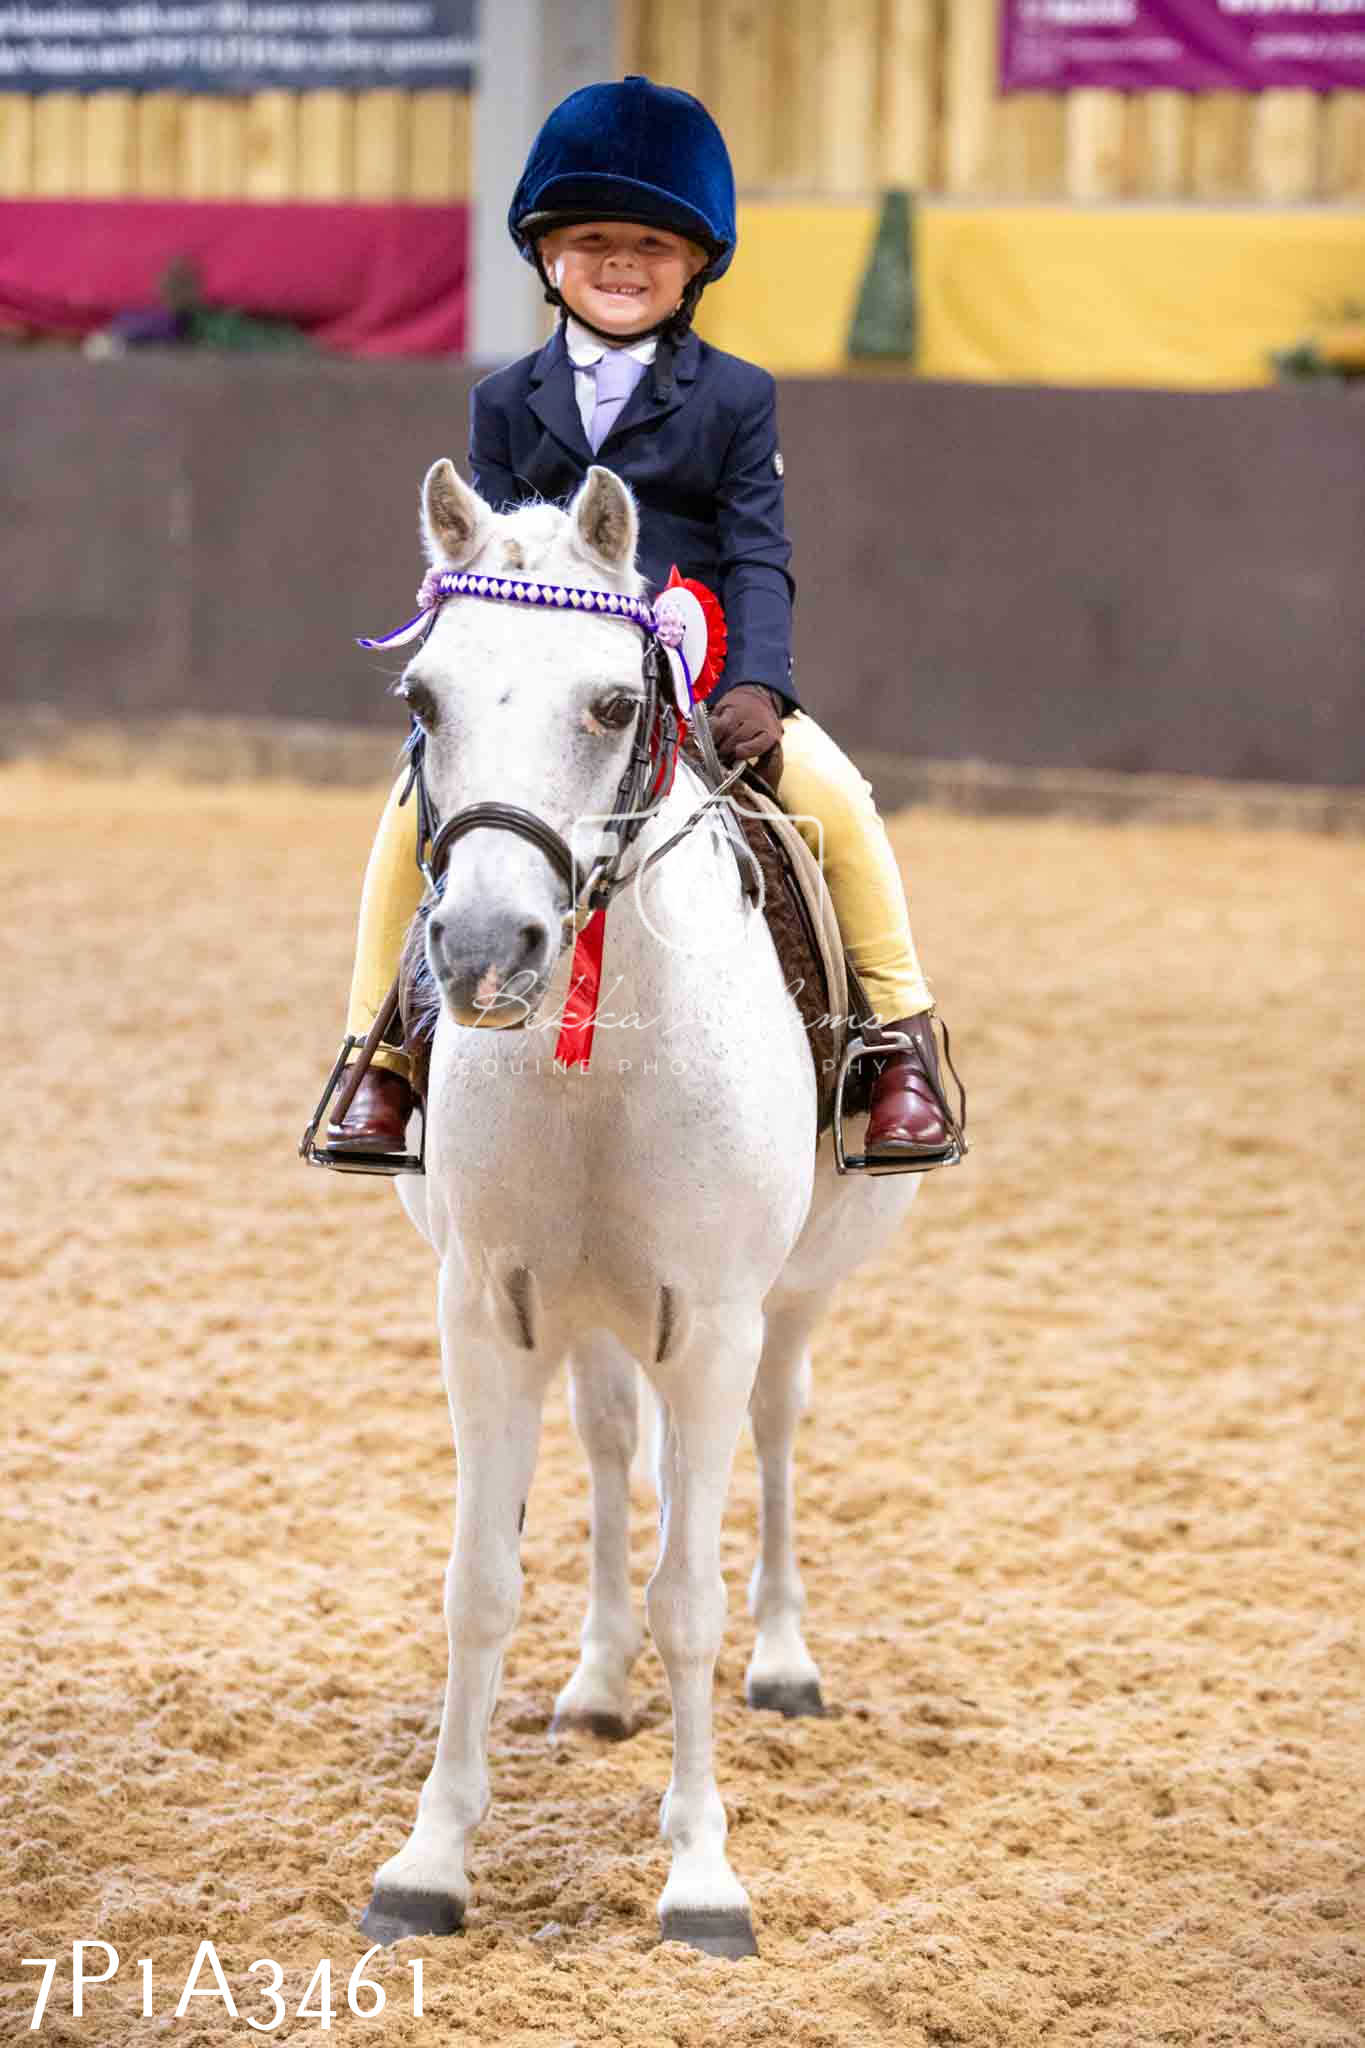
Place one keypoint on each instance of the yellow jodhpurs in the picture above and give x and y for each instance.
(833, 807)
(388, 903)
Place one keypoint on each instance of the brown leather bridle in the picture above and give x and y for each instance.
(644, 783)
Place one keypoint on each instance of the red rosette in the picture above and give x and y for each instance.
(717, 636)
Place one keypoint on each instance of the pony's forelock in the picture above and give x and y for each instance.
(537, 540)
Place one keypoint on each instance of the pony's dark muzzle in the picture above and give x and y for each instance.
(491, 971)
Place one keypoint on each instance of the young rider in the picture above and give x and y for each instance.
(626, 208)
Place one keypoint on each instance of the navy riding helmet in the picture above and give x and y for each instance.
(631, 151)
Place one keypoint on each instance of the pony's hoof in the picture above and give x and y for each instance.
(606, 1727)
(716, 1930)
(787, 1696)
(394, 1915)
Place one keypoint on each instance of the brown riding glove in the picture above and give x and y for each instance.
(746, 725)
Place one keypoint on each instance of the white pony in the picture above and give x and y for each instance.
(667, 1209)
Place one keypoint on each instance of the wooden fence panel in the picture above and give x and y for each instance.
(270, 169)
(1285, 146)
(1161, 133)
(740, 94)
(1094, 145)
(382, 138)
(110, 145)
(798, 143)
(908, 67)
(673, 44)
(1030, 151)
(849, 69)
(16, 144)
(58, 145)
(158, 144)
(822, 97)
(1219, 145)
(326, 139)
(213, 160)
(969, 98)
(1343, 146)
(438, 165)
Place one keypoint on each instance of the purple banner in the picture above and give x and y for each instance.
(1184, 45)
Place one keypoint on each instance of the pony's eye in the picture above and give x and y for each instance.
(420, 703)
(616, 710)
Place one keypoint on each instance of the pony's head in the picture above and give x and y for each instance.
(536, 709)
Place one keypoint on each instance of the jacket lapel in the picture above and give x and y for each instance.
(552, 397)
(554, 401)
(643, 409)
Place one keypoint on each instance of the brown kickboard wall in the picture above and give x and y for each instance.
(1139, 581)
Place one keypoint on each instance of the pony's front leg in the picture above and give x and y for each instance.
(496, 1391)
(605, 1400)
(782, 1674)
(706, 1391)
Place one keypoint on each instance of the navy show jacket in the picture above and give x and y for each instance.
(704, 467)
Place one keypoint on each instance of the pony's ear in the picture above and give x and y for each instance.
(455, 521)
(606, 524)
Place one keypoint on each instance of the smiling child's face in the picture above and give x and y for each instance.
(618, 276)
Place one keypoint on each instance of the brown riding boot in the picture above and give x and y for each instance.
(906, 1116)
(377, 1120)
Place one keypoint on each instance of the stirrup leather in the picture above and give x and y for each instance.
(339, 1157)
(950, 1154)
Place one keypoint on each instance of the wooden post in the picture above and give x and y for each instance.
(1162, 138)
(1285, 146)
(158, 123)
(1094, 144)
(438, 163)
(632, 37)
(1030, 145)
(16, 145)
(800, 110)
(214, 147)
(741, 96)
(325, 145)
(676, 44)
(1344, 146)
(108, 171)
(381, 144)
(908, 65)
(201, 163)
(970, 104)
(271, 146)
(1219, 150)
(58, 145)
(848, 65)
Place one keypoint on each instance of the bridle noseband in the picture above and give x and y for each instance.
(509, 818)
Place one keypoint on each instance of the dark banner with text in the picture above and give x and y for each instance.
(234, 46)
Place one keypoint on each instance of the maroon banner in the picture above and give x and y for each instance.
(362, 280)
(1181, 45)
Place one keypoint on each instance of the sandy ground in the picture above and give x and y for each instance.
(1081, 1513)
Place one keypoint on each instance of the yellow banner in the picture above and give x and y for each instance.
(1188, 298)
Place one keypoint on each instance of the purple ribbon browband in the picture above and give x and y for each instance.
(439, 584)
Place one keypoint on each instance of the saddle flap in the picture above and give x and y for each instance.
(804, 928)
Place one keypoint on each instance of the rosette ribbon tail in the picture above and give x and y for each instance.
(573, 1048)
